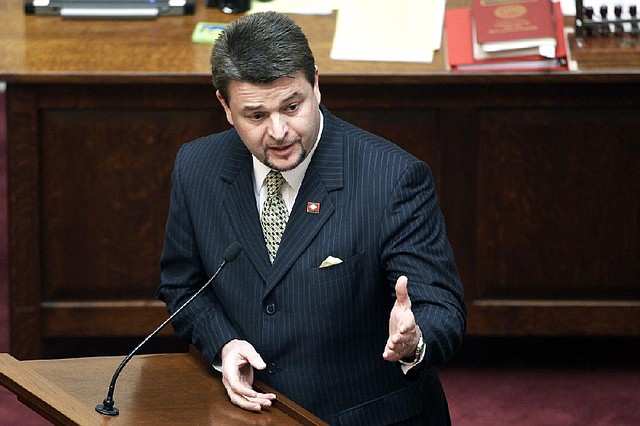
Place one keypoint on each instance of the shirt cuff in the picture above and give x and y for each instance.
(407, 366)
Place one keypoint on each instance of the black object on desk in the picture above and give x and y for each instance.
(230, 6)
(125, 9)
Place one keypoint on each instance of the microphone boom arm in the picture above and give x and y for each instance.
(107, 406)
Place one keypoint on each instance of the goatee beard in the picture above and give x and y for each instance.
(301, 157)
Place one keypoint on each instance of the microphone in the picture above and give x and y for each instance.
(107, 406)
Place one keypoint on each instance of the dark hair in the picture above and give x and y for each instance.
(260, 48)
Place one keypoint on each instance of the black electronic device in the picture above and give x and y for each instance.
(114, 9)
(234, 6)
(602, 18)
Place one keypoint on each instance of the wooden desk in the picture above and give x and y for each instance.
(167, 389)
(537, 175)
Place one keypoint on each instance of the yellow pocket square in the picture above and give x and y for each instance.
(330, 261)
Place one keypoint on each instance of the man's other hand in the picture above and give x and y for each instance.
(239, 358)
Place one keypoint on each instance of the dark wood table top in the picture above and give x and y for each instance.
(43, 49)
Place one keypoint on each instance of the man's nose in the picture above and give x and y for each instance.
(278, 126)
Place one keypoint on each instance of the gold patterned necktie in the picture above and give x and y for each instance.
(274, 213)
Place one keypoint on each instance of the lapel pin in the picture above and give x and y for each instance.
(313, 207)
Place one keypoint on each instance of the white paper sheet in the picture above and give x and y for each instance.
(300, 7)
(377, 30)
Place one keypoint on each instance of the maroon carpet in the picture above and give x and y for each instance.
(539, 397)
(489, 396)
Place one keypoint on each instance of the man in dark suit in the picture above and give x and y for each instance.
(350, 310)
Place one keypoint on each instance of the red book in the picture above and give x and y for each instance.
(459, 45)
(513, 24)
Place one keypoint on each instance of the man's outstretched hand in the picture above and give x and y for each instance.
(404, 333)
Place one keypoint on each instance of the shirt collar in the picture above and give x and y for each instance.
(294, 176)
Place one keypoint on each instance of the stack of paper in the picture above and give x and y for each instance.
(376, 30)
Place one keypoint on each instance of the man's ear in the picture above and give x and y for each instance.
(227, 110)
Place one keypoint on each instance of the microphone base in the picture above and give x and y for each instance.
(107, 411)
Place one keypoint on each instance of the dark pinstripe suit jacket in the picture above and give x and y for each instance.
(320, 330)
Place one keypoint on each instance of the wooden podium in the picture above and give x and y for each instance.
(151, 390)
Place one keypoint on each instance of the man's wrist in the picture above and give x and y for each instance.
(418, 352)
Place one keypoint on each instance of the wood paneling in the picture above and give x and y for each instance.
(24, 220)
(105, 180)
(558, 206)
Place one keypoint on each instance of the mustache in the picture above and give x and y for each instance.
(283, 142)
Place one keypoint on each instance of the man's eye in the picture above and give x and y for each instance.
(257, 116)
(292, 107)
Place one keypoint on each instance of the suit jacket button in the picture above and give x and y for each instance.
(271, 309)
(271, 368)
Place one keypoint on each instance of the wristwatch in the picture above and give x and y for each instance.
(418, 353)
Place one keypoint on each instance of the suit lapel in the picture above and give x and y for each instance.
(240, 205)
(302, 227)
(323, 176)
